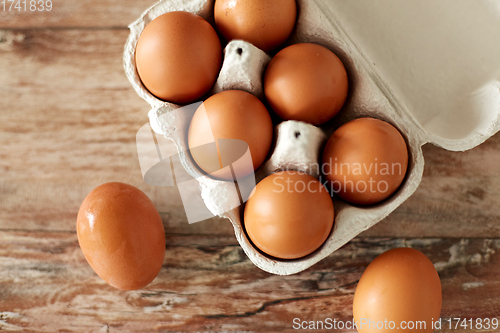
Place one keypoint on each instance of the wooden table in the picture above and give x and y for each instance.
(68, 119)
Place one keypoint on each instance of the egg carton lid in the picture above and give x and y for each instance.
(438, 61)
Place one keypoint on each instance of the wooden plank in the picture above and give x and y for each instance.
(74, 14)
(68, 122)
(208, 284)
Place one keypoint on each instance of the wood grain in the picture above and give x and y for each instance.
(103, 14)
(68, 123)
(68, 119)
(208, 284)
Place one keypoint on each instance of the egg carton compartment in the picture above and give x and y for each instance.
(374, 91)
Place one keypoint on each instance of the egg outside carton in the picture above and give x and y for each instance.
(243, 67)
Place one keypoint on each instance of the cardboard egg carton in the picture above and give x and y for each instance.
(412, 64)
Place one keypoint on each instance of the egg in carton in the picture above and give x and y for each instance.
(394, 75)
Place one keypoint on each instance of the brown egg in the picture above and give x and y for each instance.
(306, 82)
(399, 290)
(289, 215)
(178, 57)
(365, 161)
(121, 235)
(266, 24)
(231, 114)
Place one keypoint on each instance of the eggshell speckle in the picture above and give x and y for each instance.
(121, 235)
